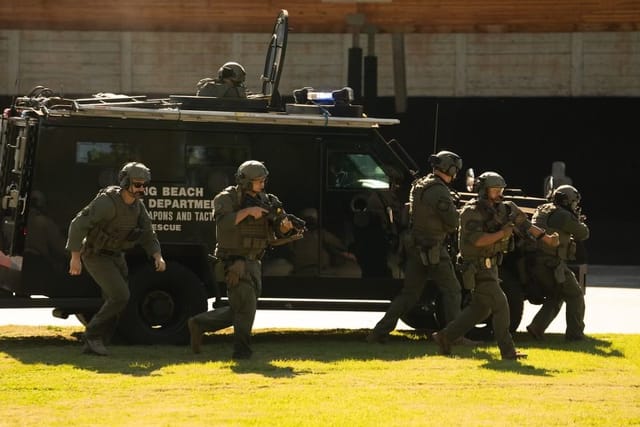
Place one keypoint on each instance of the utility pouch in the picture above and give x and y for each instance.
(433, 254)
(559, 273)
(571, 250)
(423, 256)
(234, 270)
(96, 240)
(134, 235)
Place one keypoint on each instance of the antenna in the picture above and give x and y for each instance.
(435, 128)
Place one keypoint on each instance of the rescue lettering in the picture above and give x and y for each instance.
(170, 206)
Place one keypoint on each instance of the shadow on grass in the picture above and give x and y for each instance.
(590, 345)
(63, 347)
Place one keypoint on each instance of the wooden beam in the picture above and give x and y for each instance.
(315, 16)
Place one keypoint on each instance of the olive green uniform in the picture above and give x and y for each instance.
(102, 231)
(480, 269)
(219, 89)
(433, 218)
(548, 268)
(244, 242)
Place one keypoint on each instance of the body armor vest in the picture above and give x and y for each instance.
(122, 231)
(248, 238)
(566, 250)
(425, 222)
(493, 219)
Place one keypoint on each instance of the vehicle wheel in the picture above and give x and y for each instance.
(85, 317)
(426, 315)
(161, 304)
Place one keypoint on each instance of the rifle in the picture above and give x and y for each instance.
(275, 215)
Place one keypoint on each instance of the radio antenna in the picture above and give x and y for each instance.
(435, 129)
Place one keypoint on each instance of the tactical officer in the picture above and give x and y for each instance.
(243, 231)
(433, 216)
(548, 266)
(114, 221)
(486, 227)
(228, 84)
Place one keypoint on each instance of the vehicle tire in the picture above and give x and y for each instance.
(160, 305)
(85, 317)
(427, 315)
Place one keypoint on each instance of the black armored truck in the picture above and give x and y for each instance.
(329, 163)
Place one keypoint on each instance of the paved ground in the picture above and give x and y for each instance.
(612, 300)
(621, 276)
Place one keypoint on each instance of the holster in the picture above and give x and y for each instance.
(468, 272)
(429, 253)
(559, 273)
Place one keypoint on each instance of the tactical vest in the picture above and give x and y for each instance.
(492, 221)
(248, 238)
(425, 222)
(566, 250)
(122, 231)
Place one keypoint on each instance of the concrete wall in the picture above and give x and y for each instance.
(461, 65)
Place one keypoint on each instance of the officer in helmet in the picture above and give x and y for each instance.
(548, 266)
(486, 226)
(245, 225)
(228, 84)
(114, 221)
(433, 217)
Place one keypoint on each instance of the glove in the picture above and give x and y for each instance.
(234, 272)
(555, 239)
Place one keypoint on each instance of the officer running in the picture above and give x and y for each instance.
(433, 217)
(114, 221)
(548, 268)
(485, 233)
(243, 232)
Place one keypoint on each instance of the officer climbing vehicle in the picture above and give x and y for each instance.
(329, 165)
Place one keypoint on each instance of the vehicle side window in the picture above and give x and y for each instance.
(215, 166)
(355, 170)
(103, 153)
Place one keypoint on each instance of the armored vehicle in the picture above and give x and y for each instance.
(329, 163)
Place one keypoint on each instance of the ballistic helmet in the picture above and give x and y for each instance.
(446, 161)
(566, 196)
(133, 170)
(248, 171)
(233, 71)
(489, 180)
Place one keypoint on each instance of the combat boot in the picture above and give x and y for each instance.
(514, 355)
(195, 335)
(580, 337)
(536, 333)
(95, 346)
(444, 345)
(374, 337)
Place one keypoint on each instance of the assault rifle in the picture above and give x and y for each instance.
(275, 215)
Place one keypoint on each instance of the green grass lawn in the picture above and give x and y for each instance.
(317, 378)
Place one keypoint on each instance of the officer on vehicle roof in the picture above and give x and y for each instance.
(114, 221)
(485, 233)
(433, 216)
(228, 84)
(548, 265)
(245, 225)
